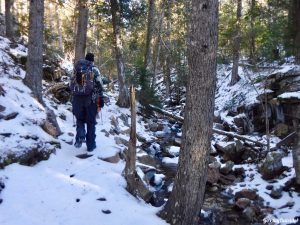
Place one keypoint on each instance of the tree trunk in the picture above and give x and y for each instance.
(186, 199)
(167, 70)
(296, 151)
(123, 100)
(81, 34)
(252, 33)
(157, 46)
(236, 45)
(34, 71)
(9, 18)
(150, 26)
(296, 6)
(59, 29)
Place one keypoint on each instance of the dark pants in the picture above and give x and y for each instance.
(85, 112)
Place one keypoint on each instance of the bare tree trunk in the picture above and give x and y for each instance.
(157, 49)
(296, 6)
(135, 184)
(9, 18)
(236, 45)
(167, 70)
(252, 33)
(34, 71)
(150, 26)
(186, 199)
(81, 29)
(123, 100)
(59, 29)
(296, 151)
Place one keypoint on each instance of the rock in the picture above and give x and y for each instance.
(158, 199)
(10, 116)
(177, 141)
(214, 165)
(232, 150)
(29, 157)
(124, 118)
(271, 166)
(243, 123)
(115, 125)
(49, 128)
(281, 130)
(218, 126)
(2, 108)
(269, 187)
(105, 132)
(249, 213)
(121, 141)
(213, 151)
(213, 175)
(112, 159)
(246, 193)
(239, 172)
(227, 167)
(276, 193)
(242, 203)
(213, 189)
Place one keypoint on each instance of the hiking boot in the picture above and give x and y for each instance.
(78, 143)
(91, 148)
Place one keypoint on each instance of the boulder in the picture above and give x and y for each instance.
(121, 141)
(232, 150)
(276, 193)
(227, 168)
(271, 166)
(246, 193)
(213, 175)
(249, 213)
(242, 203)
(112, 159)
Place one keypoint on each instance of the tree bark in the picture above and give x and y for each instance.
(123, 100)
(236, 45)
(296, 7)
(34, 71)
(59, 29)
(80, 44)
(167, 70)
(9, 18)
(186, 199)
(252, 33)
(296, 151)
(158, 46)
(150, 27)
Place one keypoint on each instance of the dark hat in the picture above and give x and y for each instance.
(90, 57)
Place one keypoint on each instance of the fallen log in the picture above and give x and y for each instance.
(226, 133)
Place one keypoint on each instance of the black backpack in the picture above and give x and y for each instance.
(82, 82)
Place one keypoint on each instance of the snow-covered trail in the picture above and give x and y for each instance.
(68, 190)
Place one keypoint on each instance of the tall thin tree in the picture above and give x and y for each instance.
(186, 199)
(9, 18)
(34, 71)
(236, 40)
(123, 100)
(150, 28)
(296, 23)
(82, 23)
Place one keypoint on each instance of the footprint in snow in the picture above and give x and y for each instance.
(107, 211)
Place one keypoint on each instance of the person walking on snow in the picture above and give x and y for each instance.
(87, 89)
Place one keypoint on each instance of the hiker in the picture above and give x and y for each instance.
(87, 90)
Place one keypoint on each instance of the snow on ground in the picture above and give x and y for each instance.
(64, 189)
(254, 181)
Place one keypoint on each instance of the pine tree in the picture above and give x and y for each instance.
(34, 72)
(186, 199)
(123, 100)
(80, 44)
